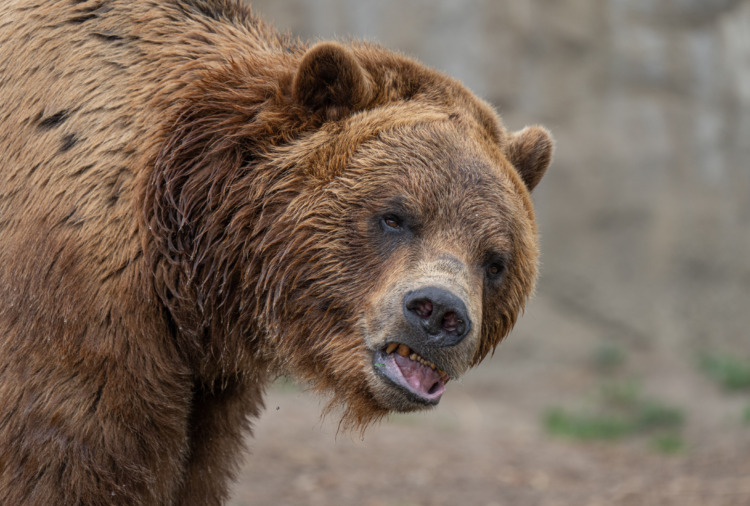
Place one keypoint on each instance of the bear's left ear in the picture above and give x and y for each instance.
(331, 80)
(530, 152)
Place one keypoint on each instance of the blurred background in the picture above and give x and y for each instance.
(627, 381)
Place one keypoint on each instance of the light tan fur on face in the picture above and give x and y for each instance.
(384, 322)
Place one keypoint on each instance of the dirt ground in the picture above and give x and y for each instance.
(486, 444)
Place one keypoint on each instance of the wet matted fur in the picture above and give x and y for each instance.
(192, 204)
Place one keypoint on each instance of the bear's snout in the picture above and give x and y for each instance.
(437, 316)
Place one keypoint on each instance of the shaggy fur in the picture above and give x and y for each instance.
(192, 204)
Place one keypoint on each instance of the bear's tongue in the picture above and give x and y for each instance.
(422, 379)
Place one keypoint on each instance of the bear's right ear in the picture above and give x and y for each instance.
(330, 80)
(530, 152)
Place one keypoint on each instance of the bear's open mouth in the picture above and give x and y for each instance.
(413, 373)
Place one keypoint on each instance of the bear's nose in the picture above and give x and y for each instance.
(438, 315)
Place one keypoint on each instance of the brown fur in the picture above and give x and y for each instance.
(189, 207)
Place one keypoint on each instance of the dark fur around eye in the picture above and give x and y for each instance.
(495, 267)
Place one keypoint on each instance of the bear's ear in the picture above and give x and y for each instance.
(530, 152)
(330, 80)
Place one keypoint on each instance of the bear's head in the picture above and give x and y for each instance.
(377, 244)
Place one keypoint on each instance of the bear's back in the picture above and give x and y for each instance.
(86, 89)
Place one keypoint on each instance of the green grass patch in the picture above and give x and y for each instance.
(286, 385)
(624, 395)
(732, 373)
(608, 357)
(585, 427)
(669, 443)
(652, 415)
(620, 411)
(746, 415)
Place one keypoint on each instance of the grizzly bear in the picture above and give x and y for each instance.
(192, 204)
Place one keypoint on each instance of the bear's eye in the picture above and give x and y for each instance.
(495, 268)
(392, 222)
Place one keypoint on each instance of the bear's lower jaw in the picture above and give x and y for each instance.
(412, 381)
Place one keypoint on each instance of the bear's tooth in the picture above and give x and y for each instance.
(413, 356)
(390, 348)
(403, 350)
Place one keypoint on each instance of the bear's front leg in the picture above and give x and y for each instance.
(90, 431)
(219, 421)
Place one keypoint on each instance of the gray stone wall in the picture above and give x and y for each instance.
(645, 214)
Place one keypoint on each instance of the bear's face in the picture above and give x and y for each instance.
(372, 236)
(409, 245)
(437, 251)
